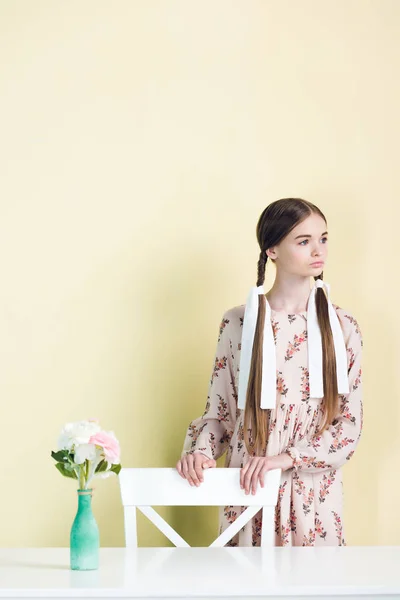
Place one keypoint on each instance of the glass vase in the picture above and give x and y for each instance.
(84, 537)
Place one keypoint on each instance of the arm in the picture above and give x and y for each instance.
(212, 432)
(337, 444)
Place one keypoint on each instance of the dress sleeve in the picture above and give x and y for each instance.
(212, 432)
(337, 444)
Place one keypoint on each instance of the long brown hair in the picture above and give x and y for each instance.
(275, 223)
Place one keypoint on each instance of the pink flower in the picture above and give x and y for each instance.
(109, 443)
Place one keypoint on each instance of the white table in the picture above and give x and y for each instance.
(204, 573)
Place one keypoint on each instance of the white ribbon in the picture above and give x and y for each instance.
(268, 384)
(315, 372)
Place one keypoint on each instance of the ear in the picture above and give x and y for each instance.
(272, 253)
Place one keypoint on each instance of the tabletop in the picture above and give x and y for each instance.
(295, 572)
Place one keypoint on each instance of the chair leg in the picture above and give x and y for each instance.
(268, 526)
(130, 527)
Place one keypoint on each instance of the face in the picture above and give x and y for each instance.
(307, 243)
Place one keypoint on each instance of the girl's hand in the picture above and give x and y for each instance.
(256, 468)
(191, 467)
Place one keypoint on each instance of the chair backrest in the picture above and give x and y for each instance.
(143, 488)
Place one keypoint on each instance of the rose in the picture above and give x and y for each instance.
(109, 443)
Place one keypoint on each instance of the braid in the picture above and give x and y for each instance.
(330, 405)
(256, 419)
(261, 265)
(320, 292)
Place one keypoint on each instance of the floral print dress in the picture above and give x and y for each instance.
(309, 510)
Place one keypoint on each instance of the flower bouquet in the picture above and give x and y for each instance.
(85, 451)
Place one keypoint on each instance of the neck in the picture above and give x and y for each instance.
(289, 293)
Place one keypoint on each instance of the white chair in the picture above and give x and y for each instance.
(143, 488)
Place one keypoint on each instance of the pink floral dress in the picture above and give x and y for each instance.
(309, 511)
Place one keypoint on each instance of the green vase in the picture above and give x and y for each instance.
(84, 538)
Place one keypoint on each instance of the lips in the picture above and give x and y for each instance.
(317, 264)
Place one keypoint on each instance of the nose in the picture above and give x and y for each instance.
(317, 251)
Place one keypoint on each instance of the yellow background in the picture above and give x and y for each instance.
(140, 142)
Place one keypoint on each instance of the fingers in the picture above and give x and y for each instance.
(185, 467)
(198, 469)
(179, 468)
(249, 474)
(256, 473)
(243, 472)
(190, 467)
(261, 476)
(209, 464)
(253, 472)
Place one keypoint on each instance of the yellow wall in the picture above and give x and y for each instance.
(140, 141)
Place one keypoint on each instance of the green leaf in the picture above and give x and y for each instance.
(66, 472)
(115, 469)
(60, 456)
(102, 466)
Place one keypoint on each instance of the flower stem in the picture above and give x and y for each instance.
(82, 476)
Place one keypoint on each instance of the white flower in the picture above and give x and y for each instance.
(84, 452)
(74, 434)
(106, 474)
(95, 461)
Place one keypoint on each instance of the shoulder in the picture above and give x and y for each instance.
(232, 321)
(350, 325)
(235, 314)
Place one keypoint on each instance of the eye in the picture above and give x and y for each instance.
(303, 244)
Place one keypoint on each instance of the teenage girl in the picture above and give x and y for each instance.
(309, 436)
